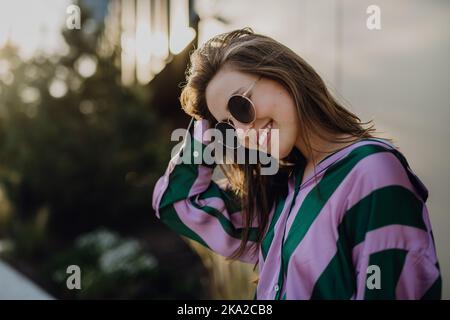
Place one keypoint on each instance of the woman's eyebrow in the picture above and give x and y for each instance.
(239, 90)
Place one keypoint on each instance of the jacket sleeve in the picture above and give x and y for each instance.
(187, 200)
(395, 257)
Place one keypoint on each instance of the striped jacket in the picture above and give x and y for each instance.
(366, 235)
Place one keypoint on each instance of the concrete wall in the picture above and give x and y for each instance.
(399, 75)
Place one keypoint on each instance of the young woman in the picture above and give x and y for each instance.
(344, 217)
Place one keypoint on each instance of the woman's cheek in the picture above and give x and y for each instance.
(283, 145)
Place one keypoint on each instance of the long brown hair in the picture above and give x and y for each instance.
(257, 54)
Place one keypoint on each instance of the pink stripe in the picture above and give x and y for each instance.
(158, 192)
(431, 252)
(347, 150)
(211, 231)
(203, 180)
(201, 184)
(162, 184)
(261, 262)
(389, 237)
(331, 160)
(304, 191)
(269, 273)
(236, 218)
(318, 247)
(205, 225)
(417, 276)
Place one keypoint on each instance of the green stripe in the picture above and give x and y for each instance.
(419, 187)
(389, 205)
(338, 280)
(382, 207)
(171, 219)
(391, 263)
(267, 241)
(226, 224)
(312, 205)
(183, 176)
(231, 201)
(435, 291)
(181, 180)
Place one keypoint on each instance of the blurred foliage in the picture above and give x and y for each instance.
(107, 260)
(79, 155)
(80, 152)
(89, 156)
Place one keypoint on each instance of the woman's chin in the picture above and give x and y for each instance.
(282, 152)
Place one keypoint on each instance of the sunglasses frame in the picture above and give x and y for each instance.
(228, 120)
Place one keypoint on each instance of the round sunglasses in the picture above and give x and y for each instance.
(242, 109)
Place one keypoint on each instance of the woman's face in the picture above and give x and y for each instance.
(272, 101)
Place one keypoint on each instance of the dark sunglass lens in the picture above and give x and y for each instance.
(241, 109)
(228, 134)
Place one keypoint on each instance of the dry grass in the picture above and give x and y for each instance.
(228, 279)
